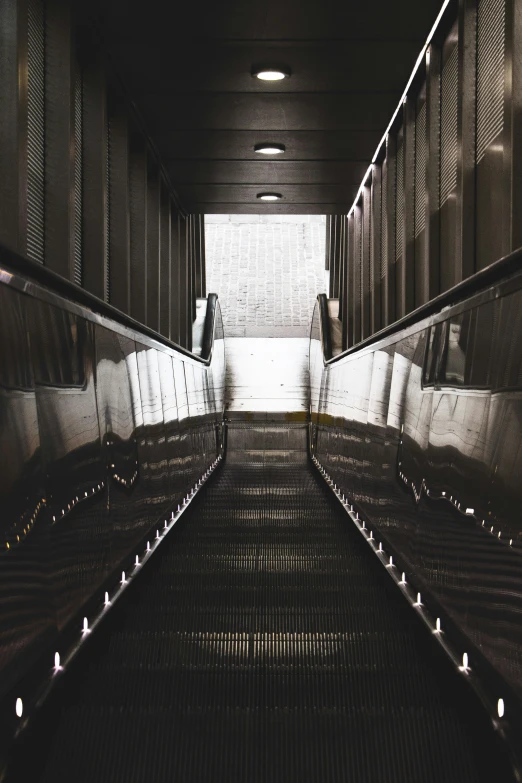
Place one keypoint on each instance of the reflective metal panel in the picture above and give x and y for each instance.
(27, 612)
(423, 432)
(115, 355)
(62, 349)
(153, 455)
(98, 441)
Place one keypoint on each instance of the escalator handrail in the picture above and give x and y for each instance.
(34, 279)
(324, 322)
(209, 328)
(508, 267)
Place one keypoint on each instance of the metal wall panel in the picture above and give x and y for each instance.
(190, 277)
(334, 259)
(118, 201)
(400, 238)
(366, 268)
(327, 254)
(165, 291)
(203, 257)
(384, 243)
(175, 271)
(36, 131)
(184, 290)
(376, 250)
(95, 174)
(466, 121)
(108, 201)
(78, 176)
(407, 272)
(342, 262)
(492, 241)
(449, 267)
(391, 206)
(13, 124)
(421, 154)
(432, 228)
(357, 291)
(348, 324)
(344, 298)
(59, 139)
(138, 231)
(153, 248)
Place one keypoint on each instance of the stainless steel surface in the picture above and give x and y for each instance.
(267, 442)
(41, 283)
(101, 433)
(62, 353)
(27, 612)
(422, 429)
(267, 378)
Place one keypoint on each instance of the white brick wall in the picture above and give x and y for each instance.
(267, 271)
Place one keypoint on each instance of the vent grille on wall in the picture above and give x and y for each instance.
(370, 210)
(420, 171)
(108, 212)
(491, 33)
(78, 189)
(384, 217)
(360, 275)
(399, 214)
(36, 131)
(448, 126)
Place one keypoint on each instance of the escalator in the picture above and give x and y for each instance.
(263, 640)
(265, 643)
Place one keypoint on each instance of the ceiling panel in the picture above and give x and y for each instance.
(233, 145)
(279, 208)
(188, 69)
(293, 20)
(317, 66)
(244, 172)
(241, 111)
(292, 194)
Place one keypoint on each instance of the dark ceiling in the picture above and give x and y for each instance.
(188, 70)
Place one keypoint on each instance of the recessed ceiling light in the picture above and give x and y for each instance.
(269, 196)
(271, 73)
(269, 149)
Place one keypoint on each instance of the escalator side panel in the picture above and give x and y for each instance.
(97, 444)
(62, 349)
(27, 616)
(436, 467)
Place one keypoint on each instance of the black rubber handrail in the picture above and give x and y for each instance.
(37, 273)
(208, 329)
(500, 270)
(324, 320)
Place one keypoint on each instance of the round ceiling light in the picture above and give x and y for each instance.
(269, 149)
(271, 73)
(269, 196)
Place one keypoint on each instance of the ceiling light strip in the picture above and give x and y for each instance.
(404, 96)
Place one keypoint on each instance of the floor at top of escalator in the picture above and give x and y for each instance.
(265, 644)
